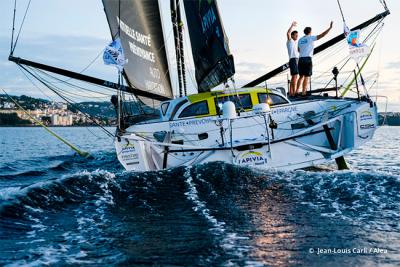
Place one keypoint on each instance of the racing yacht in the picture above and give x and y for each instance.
(162, 126)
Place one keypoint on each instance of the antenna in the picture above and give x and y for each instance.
(383, 2)
(341, 11)
(13, 28)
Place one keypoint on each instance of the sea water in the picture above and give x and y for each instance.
(57, 208)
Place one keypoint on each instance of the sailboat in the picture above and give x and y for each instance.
(255, 126)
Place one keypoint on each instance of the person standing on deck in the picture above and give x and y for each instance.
(306, 49)
(293, 52)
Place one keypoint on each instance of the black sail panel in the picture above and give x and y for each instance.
(138, 24)
(212, 59)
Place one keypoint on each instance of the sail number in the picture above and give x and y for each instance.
(155, 73)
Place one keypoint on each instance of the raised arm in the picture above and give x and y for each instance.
(289, 32)
(319, 36)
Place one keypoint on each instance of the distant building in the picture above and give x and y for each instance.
(8, 105)
(61, 120)
(54, 119)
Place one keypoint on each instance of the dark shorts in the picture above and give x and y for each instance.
(305, 66)
(294, 66)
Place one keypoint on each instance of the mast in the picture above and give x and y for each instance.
(181, 45)
(317, 50)
(174, 19)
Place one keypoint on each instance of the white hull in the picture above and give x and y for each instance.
(299, 141)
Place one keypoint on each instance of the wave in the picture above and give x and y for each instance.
(52, 194)
(356, 196)
(348, 194)
(220, 202)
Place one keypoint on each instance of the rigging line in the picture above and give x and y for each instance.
(83, 88)
(119, 16)
(88, 66)
(383, 2)
(73, 85)
(60, 89)
(325, 73)
(13, 27)
(92, 133)
(338, 46)
(74, 104)
(66, 99)
(375, 32)
(341, 11)
(373, 42)
(67, 93)
(77, 150)
(91, 62)
(190, 67)
(332, 52)
(79, 88)
(50, 98)
(379, 64)
(330, 59)
(20, 28)
(34, 84)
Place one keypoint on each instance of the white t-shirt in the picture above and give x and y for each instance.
(292, 48)
(306, 45)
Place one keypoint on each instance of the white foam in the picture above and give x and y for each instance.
(9, 192)
(230, 241)
(200, 206)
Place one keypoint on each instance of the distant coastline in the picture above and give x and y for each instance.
(53, 113)
(85, 114)
(385, 119)
(389, 118)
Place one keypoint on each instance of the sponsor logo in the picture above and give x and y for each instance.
(365, 115)
(367, 126)
(128, 148)
(284, 110)
(190, 123)
(252, 158)
(208, 19)
(129, 154)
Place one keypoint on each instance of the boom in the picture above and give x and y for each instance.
(85, 78)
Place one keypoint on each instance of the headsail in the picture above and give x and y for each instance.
(138, 25)
(212, 59)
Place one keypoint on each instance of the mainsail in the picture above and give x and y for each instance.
(212, 59)
(138, 25)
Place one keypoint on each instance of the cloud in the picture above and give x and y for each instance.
(248, 71)
(251, 66)
(393, 65)
(72, 53)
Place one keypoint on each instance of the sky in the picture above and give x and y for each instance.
(72, 33)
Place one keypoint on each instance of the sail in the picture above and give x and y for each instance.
(138, 25)
(212, 59)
